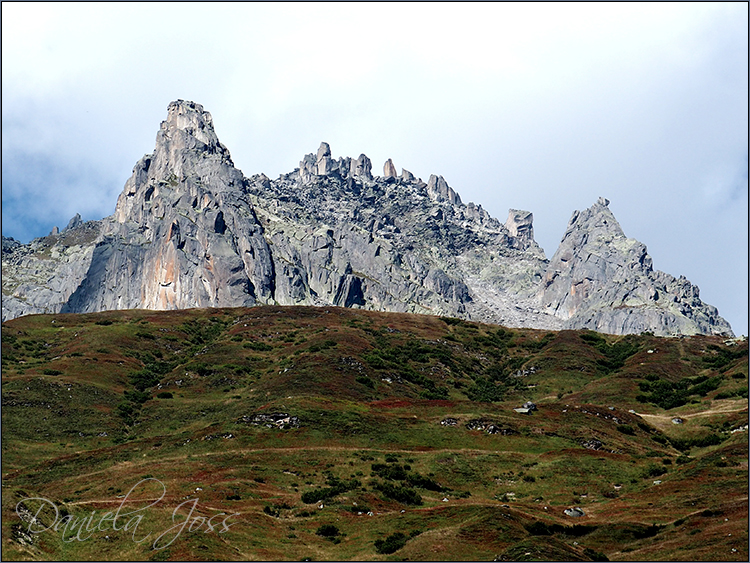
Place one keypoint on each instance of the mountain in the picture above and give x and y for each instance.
(191, 231)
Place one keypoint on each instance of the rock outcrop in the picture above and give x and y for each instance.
(190, 230)
(602, 280)
(389, 170)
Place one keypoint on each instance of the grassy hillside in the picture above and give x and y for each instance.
(299, 433)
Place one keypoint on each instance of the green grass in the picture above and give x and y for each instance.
(95, 403)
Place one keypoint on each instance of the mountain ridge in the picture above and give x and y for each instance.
(190, 230)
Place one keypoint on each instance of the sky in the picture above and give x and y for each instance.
(543, 107)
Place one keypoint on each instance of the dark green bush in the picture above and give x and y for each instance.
(391, 544)
(417, 480)
(485, 390)
(258, 346)
(328, 531)
(398, 493)
(164, 395)
(654, 470)
(366, 381)
(685, 444)
(594, 555)
(271, 511)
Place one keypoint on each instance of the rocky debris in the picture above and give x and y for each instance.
(224, 436)
(601, 414)
(490, 427)
(677, 420)
(191, 231)
(272, 420)
(531, 370)
(529, 405)
(592, 444)
(352, 363)
(449, 421)
(10, 244)
(574, 512)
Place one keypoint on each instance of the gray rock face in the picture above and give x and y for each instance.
(389, 170)
(190, 230)
(520, 226)
(76, 221)
(439, 190)
(602, 280)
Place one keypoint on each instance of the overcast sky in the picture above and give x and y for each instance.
(543, 107)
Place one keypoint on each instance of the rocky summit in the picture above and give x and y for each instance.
(191, 231)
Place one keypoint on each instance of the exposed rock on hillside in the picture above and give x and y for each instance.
(190, 230)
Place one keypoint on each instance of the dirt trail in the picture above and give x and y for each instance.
(729, 406)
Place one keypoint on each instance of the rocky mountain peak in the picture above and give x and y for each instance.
(190, 230)
(439, 190)
(600, 279)
(74, 222)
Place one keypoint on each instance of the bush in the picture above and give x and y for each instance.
(391, 472)
(723, 356)
(164, 395)
(271, 511)
(486, 391)
(258, 346)
(654, 470)
(685, 444)
(626, 429)
(391, 544)
(52, 372)
(328, 531)
(594, 555)
(366, 381)
(398, 493)
(417, 480)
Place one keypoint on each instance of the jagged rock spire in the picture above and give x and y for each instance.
(389, 170)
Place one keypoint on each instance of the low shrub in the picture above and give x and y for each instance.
(328, 531)
(391, 544)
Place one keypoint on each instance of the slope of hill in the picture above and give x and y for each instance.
(336, 433)
(190, 230)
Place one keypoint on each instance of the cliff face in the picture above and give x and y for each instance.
(602, 280)
(190, 230)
